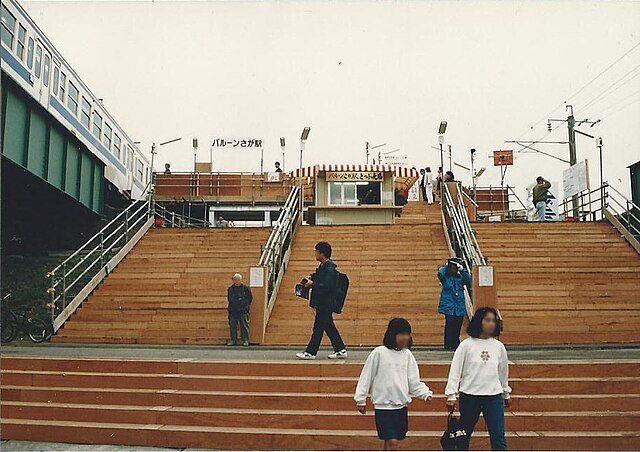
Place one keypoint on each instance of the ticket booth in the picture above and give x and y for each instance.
(354, 194)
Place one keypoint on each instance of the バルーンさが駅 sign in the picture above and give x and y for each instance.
(354, 176)
(236, 143)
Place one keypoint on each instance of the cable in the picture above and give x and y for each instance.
(616, 103)
(604, 94)
(622, 108)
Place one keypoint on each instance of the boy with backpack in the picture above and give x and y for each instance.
(327, 295)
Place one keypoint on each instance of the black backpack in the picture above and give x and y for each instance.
(341, 292)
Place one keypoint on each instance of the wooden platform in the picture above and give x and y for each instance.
(298, 405)
(564, 282)
(171, 289)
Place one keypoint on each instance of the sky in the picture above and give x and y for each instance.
(358, 71)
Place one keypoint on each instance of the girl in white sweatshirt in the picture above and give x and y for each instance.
(479, 378)
(392, 372)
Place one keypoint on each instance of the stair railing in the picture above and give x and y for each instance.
(461, 237)
(175, 220)
(276, 252)
(74, 278)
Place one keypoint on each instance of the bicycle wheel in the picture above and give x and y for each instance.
(38, 330)
(9, 328)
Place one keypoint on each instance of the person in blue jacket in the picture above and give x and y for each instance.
(453, 277)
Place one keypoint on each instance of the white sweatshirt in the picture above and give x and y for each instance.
(394, 375)
(479, 367)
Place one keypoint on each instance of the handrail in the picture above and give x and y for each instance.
(184, 221)
(74, 278)
(275, 253)
(461, 237)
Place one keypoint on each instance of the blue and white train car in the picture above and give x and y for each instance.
(32, 61)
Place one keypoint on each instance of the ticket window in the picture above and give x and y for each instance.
(354, 193)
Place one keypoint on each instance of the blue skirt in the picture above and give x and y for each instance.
(392, 424)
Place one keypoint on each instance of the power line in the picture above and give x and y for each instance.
(604, 94)
(616, 103)
(622, 108)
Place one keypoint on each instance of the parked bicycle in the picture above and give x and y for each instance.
(15, 321)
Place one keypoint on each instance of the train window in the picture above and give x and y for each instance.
(97, 125)
(139, 170)
(63, 84)
(56, 80)
(8, 26)
(45, 70)
(38, 67)
(72, 100)
(85, 113)
(22, 36)
(116, 145)
(107, 136)
(30, 53)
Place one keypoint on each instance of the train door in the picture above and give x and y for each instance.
(129, 164)
(42, 72)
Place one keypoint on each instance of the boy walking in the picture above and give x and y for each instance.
(239, 297)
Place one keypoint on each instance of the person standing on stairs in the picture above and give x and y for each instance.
(479, 378)
(239, 297)
(428, 186)
(392, 371)
(324, 284)
(421, 181)
(540, 194)
(453, 277)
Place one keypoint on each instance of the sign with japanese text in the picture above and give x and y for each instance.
(354, 176)
(575, 179)
(236, 143)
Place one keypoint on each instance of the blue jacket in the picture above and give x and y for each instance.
(452, 295)
(325, 283)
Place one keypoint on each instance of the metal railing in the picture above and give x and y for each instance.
(460, 235)
(604, 203)
(175, 220)
(501, 196)
(75, 277)
(275, 253)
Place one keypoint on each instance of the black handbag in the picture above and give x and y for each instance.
(455, 436)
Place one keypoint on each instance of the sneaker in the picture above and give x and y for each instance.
(245, 344)
(231, 343)
(305, 355)
(342, 354)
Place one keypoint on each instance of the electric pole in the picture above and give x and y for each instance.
(367, 149)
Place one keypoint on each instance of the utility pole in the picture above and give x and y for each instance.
(367, 150)
(573, 158)
(450, 165)
(599, 144)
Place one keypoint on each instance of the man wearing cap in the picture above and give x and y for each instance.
(453, 277)
(239, 297)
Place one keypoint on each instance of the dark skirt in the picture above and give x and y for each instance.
(392, 424)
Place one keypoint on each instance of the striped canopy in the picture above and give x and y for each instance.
(398, 171)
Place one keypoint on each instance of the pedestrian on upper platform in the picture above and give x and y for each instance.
(449, 177)
(222, 223)
(278, 169)
(428, 185)
(453, 277)
(239, 298)
(324, 286)
(421, 182)
(167, 168)
(540, 194)
(479, 379)
(392, 373)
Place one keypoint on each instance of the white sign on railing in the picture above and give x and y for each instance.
(575, 179)
(236, 143)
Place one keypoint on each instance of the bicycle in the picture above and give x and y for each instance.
(15, 321)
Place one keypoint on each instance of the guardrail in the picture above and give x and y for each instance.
(606, 203)
(277, 250)
(461, 239)
(75, 277)
(175, 220)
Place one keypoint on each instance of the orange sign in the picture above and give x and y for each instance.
(502, 157)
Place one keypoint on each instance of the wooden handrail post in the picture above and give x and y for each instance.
(485, 291)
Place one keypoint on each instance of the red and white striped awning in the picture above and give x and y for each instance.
(398, 171)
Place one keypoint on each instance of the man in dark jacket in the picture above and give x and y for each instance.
(239, 297)
(323, 284)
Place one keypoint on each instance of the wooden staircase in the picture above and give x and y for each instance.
(171, 289)
(270, 405)
(563, 282)
(392, 272)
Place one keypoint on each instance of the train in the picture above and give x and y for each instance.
(31, 60)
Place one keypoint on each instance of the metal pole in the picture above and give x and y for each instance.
(441, 173)
(571, 122)
(367, 150)
(450, 165)
(601, 176)
(283, 159)
(473, 174)
(300, 182)
(262, 160)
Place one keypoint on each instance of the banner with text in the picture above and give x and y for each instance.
(354, 176)
(236, 143)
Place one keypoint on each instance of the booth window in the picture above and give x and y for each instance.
(354, 193)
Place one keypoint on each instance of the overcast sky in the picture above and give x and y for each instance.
(383, 72)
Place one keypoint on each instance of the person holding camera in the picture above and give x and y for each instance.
(323, 284)
(453, 277)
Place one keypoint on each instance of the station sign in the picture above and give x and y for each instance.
(236, 143)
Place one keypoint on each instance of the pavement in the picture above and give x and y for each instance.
(605, 352)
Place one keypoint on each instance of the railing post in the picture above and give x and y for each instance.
(63, 295)
(126, 226)
(102, 250)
